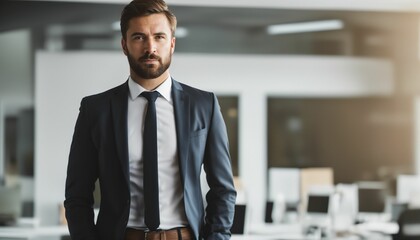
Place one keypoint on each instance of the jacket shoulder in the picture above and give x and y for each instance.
(106, 95)
(195, 93)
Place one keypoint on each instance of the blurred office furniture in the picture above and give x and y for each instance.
(318, 216)
(409, 225)
(283, 189)
(318, 221)
(311, 178)
(375, 230)
(10, 205)
(240, 191)
(274, 211)
(288, 188)
(289, 231)
(397, 209)
(268, 216)
(408, 186)
(408, 190)
(238, 226)
(371, 201)
(27, 185)
(33, 233)
(318, 204)
(372, 221)
(241, 209)
(346, 211)
(414, 200)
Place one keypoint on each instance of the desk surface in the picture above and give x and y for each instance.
(275, 232)
(294, 231)
(32, 232)
(268, 237)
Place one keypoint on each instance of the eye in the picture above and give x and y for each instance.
(138, 37)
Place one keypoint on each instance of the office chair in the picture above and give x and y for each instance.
(409, 224)
(269, 212)
(238, 226)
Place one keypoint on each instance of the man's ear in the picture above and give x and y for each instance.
(124, 46)
(173, 41)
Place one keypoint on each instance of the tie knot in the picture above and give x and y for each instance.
(150, 96)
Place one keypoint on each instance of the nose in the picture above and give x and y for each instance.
(150, 46)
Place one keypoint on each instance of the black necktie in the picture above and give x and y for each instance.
(150, 165)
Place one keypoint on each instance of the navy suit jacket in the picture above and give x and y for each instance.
(99, 150)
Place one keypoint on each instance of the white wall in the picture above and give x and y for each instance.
(61, 82)
(62, 79)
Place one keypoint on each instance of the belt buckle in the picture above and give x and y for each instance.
(148, 232)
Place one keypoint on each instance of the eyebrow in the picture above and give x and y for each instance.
(137, 33)
(160, 33)
(143, 34)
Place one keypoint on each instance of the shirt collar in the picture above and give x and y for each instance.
(164, 89)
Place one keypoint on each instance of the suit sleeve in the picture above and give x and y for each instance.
(222, 195)
(80, 182)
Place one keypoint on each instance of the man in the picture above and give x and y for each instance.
(149, 181)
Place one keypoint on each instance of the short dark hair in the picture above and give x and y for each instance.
(138, 8)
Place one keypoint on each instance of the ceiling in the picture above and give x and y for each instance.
(81, 25)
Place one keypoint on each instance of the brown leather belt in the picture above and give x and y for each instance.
(182, 233)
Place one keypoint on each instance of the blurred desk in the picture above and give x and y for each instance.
(259, 237)
(274, 232)
(387, 228)
(371, 231)
(33, 233)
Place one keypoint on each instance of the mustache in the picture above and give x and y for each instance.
(149, 56)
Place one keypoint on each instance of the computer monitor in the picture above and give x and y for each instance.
(408, 186)
(371, 197)
(317, 214)
(318, 204)
(284, 182)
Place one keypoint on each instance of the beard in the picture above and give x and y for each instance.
(148, 71)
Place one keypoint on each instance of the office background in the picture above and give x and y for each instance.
(345, 98)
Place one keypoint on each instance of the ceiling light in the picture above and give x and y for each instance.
(314, 26)
(116, 26)
(181, 32)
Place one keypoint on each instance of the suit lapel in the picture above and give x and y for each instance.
(182, 121)
(119, 104)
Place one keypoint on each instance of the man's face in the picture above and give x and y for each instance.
(149, 46)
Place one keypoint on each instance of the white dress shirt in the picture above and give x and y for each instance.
(171, 205)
